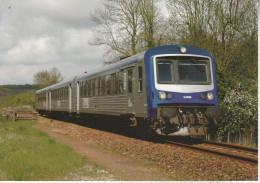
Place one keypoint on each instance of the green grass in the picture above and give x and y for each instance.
(29, 154)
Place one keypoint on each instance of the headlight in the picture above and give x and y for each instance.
(162, 95)
(203, 96)
(183, 49)
(169, 96)
(210, 96)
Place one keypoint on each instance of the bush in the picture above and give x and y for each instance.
(238, 101)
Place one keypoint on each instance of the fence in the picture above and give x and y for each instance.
(15, 115)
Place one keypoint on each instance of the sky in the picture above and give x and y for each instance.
(38, 35)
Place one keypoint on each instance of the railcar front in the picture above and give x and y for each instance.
(181, 90)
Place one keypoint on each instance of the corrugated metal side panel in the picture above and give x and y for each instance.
(60, 105)
(41, 105)
(116, 104)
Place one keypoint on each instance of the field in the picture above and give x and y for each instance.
(29, 154)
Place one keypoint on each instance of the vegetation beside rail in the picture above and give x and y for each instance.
(29, 154)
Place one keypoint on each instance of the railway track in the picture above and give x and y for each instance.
(237, 152)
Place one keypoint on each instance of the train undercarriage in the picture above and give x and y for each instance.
(182, 121)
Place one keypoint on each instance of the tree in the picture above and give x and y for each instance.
(117, 26)
(224, 27)
(46, 78)
(127, 27)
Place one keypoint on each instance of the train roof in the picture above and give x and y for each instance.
(118, 65)
(168, 49)
(123, 63)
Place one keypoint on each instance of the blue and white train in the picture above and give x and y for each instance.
(170, 90)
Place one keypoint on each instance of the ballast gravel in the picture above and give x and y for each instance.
(181, 164)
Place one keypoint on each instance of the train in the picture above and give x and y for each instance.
(169, 90)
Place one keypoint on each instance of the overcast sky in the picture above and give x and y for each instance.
(41, 34)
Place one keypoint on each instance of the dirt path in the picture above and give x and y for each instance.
(122, 167)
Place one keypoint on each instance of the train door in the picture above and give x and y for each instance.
(70, 99)
(129, 88)
(47, 100)
(140, 99)
(77, 93)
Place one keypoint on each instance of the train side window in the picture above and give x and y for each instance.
(96, 86)
(130, 80)
(120, 78)
(140, 79)
(83, 89)
(113, 83)
(89, 87)
(102, 85)
(80, 89)
(107, 80)
(67, 92)
(86, 89)
(99, 85)
(92, 87)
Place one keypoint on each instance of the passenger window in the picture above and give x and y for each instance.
(120, 82)
(107, 84)
(113, 83)
(89, 87)
(92, 87)
(102, 85)
(130, 80)
(96, 86)
(66, 92)
(81, 89)
(86, 89)
(140, 79)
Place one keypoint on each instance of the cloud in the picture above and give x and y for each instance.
(39, 35)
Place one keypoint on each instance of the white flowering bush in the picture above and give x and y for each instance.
(239, 111)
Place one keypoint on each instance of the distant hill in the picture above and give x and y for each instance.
(10, 90)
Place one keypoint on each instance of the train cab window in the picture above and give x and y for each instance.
(165, 72)
(113, 83)
(107, 81)
(130, 80)
(120, 78)
(193, 72)
(96, 86)
(140, 79)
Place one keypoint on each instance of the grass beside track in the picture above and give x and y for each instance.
(29, 154)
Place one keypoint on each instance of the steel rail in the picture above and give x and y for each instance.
(246, 159)
(234, 146)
